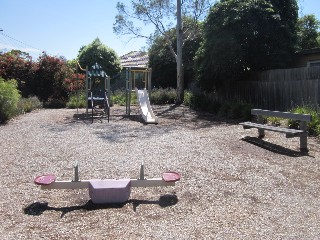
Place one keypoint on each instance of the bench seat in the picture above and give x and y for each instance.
(302, 132)
(290, 133)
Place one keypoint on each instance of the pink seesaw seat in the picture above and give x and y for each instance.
(171, 176)
(45, 179)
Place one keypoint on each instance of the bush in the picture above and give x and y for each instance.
(77, 101)
(163, 96)
(157, 96)
(119, 97)
(202, 101)
(26, 105)
(276, 121)
(187, 99)
(313, 126)
(54, 103)
(9, 98)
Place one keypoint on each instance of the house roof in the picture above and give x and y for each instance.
(135, 59)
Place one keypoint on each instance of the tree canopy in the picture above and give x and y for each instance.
(163, 64)
(308, 33)
(161, 15)
(240, 36)
(97, 52)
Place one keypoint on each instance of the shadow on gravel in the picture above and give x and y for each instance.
(274, 147)
(38, 208)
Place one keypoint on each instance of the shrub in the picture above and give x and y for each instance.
(119, 97)
(77, 101)
(28, 104)
(188, 96)
(54, 103)
(163, 96)
(313, 126)
(202, 101)
(157, 96)
(9, 98)
(276, 121)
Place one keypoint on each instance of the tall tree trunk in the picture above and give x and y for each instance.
(180, 71)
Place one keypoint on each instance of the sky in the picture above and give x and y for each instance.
(62, 27)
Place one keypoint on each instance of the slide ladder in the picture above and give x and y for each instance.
(145, 107)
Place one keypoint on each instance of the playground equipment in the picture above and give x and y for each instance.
(145, 107)
(107, 190)
(98, 91)
(140, 78)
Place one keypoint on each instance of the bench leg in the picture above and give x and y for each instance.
(261, 133)
(304, 143)
(304, 137)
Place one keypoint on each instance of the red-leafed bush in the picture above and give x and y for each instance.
(18, 65)
(50, 74)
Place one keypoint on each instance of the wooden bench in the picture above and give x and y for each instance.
(290, 133)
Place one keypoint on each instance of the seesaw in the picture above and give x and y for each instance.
(107, 190)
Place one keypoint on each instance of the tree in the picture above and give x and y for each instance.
(308, 33)
(160, 13)
(243, 36)
(163, 64)
(97, 52)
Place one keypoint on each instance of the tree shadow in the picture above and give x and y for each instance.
(168, 110)
(38, 208)
(274, 147)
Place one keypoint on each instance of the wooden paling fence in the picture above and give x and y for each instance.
(280, 89)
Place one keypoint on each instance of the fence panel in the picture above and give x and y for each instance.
(280, 89)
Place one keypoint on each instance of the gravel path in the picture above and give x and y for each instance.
(233, 186)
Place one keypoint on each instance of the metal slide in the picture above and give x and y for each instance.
(145, 107)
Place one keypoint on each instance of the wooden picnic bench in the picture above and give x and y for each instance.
(302, 132)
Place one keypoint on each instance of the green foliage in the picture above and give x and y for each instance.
(77, 100)
(54, 103)
(276, 121)
(119, 97)
(163, 63)
(242, 36)
(203, 101)
(314, 125)
(235, 110)
(29, 104)
(163, 96)
(9, 99)
(308, 27)
(158, 96)
(188, 97)
(97, 52)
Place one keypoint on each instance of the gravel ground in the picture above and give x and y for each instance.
(233, 186)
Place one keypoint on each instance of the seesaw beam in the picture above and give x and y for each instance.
(153, 182)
